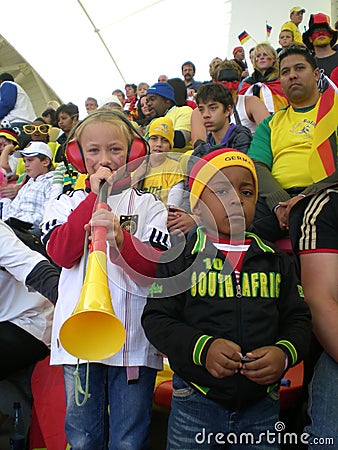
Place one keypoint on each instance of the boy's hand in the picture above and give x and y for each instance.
(178, 219)
(10, 190)
(9, 149)
(104, 218)
(223, 359)
(268, 366)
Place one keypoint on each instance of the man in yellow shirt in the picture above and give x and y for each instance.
(296, 17)
(288, 146)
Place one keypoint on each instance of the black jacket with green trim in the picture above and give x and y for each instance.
(195, 300)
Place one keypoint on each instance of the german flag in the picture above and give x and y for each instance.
(244, 37)
(323, 158)
(268, 30)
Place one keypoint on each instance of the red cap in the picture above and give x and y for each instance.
(236, 49)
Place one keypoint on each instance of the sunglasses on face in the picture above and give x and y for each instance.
(43, 129)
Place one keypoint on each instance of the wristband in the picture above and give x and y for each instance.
(286, 362)
(275, 208)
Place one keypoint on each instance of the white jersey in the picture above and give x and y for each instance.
(28, 310)
(23, 110)
(243, 115)
(146, 218)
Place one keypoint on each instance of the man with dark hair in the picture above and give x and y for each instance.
(287, 146)
(67, 115)
(161, 102)
(296, 159)
(16, 109)
(188, 71)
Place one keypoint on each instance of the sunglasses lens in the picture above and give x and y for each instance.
(29, 129)
(43, 129)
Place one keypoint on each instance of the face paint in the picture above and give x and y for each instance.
(317, 37)
(232, 85)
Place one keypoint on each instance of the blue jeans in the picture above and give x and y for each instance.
(323, 405)
(126, 426)
(196, 422)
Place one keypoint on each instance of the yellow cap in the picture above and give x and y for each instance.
(162, 126)
(297, 9)
(206, 167)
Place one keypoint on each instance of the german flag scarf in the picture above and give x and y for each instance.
(323, 158)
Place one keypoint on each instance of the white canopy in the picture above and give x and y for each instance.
(89, 48)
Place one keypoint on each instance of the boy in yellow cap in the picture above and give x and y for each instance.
(228, 313)
(161, 175)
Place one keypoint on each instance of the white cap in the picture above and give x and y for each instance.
(35, 148)
(110, 99)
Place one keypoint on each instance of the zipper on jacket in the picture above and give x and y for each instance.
(237, 274)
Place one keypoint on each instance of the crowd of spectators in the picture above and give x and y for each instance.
(283, 114)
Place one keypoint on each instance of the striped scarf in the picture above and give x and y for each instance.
(323, 158)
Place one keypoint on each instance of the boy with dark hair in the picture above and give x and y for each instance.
(216, 104)
(67, 115)
(228, 313)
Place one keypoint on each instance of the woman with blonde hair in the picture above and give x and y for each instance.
(264, 81)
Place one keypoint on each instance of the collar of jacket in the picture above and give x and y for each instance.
(201, 241)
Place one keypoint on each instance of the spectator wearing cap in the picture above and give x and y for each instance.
(296, 17)
(8, 143)
(188, 71)
(321, 38)
(110, 103)
(161, 102)
(160, 174)
(38, 130)
(239, 58)
(8, 167)
(29, 204)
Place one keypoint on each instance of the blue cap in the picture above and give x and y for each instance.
(163, 89)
